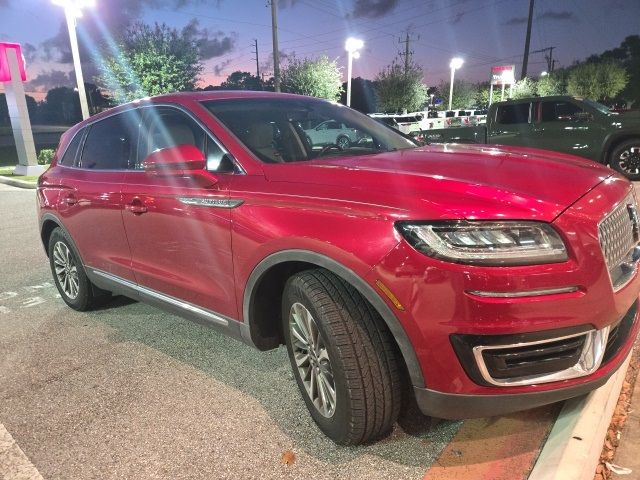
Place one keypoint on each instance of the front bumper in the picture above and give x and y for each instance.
(441, 302)
(458, 406)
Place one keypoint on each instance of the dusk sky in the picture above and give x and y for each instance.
(483, 32)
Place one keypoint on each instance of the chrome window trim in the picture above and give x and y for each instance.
(211, 316)
(524, 293)
(589, 361)
(207, 131)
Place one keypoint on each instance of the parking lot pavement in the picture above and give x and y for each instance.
(130, 392)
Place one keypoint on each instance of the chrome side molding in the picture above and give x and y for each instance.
(180, 304)
(211, 202)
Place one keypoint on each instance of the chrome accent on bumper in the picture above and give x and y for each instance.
(524, 293)
(589, 361)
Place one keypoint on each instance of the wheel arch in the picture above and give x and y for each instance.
(614, 140)
(263, 293)
(48, 223)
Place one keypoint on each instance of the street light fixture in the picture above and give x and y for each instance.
(352, 46)
(544, 74)
(453, 65)
(72, 11)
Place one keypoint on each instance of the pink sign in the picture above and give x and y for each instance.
(5, 72)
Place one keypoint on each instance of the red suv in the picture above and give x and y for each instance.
(479, 280)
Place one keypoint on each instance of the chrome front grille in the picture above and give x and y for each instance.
(618, 236)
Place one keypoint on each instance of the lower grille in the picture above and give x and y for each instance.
(538, 359)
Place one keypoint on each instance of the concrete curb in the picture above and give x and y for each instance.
(573, 448)
(18, 183)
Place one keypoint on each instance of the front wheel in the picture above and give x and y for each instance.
(625, 158)
(343, 358)
(343, 142)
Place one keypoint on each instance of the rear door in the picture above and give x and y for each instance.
(90, 201)
(179, 226)
(512, 125)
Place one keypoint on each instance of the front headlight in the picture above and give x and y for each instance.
(486, 243)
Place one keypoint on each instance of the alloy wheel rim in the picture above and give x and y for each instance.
(630, 160)
(66, 270)
(312, 360)
(343, 143)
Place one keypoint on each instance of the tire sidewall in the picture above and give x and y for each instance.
(336, 427)
(343, 137)
(82, 300)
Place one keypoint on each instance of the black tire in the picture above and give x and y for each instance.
(343, 142)
(87, 296)
(363, 357)
(625, 158)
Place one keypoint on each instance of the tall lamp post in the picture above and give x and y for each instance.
(72, 11)
(453, 65)
(352, 46)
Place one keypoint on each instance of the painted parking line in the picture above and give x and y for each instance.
(14, 464)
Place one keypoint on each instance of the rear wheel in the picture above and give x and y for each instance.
(344, 360)
(68, 273)
(625, 158)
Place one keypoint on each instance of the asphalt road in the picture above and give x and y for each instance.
(130, 392)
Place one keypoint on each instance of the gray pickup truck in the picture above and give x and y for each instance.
(561, 123)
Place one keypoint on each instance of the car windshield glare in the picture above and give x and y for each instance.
(299, 129)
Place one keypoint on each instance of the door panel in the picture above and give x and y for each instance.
(90, 207)
(178, 226)
(512, 125)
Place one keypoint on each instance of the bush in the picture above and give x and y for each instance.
(45, 156)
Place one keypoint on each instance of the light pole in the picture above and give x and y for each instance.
(72, 11)
(352, 46)
(453, 65)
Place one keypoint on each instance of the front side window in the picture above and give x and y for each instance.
(559, 111)
(285, 130)
(111, 143)
(513, 114)
(166, 127)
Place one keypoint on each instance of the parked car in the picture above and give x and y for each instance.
(405, 123)
(478, 280)
(330, 132)
(560, 123)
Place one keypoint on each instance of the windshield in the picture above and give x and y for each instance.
(280, 130)
(598, 106)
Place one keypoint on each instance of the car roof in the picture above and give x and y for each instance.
(180, 97)
(537, 99)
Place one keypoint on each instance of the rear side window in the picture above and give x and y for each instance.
(69, 157)
(512, 114)
(111, 143)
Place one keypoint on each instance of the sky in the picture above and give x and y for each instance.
(482, 32)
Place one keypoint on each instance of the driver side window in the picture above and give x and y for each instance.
(559, 111)
(166, 127)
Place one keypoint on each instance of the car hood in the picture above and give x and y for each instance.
(450, 181)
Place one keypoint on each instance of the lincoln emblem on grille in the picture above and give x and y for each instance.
(633, 215)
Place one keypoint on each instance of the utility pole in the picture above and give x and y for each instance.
(255, 45)
(527, 42)
(276, 52)
(407, 52)
(550, 61)
(549, 58)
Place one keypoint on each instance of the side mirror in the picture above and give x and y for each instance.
(176, 160)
